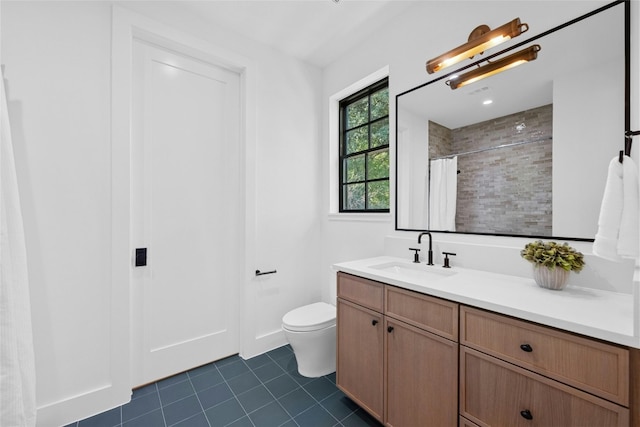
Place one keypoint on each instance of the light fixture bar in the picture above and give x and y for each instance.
(477, 44)
(511, 61)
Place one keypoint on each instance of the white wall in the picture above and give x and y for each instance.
(413, 136)
(405, 46)
(57, 58)
(58, 87)
(571, 134)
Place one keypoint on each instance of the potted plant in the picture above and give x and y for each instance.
(552, 263)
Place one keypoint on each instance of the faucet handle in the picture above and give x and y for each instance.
(416, 257)
(446, 259)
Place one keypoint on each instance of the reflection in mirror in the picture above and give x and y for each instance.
(531, 163)
(503, 169)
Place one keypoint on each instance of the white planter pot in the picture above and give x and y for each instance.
(555, 279)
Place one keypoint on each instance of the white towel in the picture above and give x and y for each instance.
(628, 236)
(617, 234)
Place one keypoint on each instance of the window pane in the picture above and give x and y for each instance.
(380, 133)
(378, 195)
(354, 197)
(378, 166)
(354, 169)
(380, 104)
(357, 140)
(364, 149)
(357, 113)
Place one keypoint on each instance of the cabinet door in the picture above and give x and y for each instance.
(421, 376)
(359, 363)
(497, 393)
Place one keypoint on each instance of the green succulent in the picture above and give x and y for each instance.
(552, 254)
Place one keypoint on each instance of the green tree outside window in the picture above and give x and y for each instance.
(364, 150)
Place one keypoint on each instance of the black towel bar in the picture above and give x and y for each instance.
(262, 273)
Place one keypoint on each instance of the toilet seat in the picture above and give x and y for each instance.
(310, 317)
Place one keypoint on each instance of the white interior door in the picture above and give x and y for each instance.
(186, 203)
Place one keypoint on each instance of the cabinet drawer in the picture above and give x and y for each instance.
(362, 291)
(432, 314)
(590, 365)
(497, 393)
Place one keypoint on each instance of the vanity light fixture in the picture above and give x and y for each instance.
(480, 39)
(511, 61)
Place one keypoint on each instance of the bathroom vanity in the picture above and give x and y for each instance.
(419, 346)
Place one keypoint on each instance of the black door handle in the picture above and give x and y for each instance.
(374, 322)
(389, 329)
(526, 414)
(526, 347)
(141, 257)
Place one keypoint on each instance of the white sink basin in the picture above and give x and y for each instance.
(414, 271)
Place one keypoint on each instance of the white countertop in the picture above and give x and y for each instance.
(595, 313)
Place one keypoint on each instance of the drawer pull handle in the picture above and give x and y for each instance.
(526, 347)
(526, 414)
(389, 329)
(374, 322)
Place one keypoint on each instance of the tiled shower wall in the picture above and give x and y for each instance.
(506, 190)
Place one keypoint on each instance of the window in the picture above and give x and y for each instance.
(364, 150)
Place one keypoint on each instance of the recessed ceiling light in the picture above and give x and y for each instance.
(487, 101)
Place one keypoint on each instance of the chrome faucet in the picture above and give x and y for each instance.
(430, 253)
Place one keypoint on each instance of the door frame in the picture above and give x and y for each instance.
(127, 26)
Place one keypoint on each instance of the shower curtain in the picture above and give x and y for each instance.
(443, 188)
(17, 366)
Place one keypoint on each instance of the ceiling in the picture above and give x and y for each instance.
(316, 31)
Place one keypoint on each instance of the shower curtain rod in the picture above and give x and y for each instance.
(513, 144)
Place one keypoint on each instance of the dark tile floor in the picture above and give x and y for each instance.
(265, 391)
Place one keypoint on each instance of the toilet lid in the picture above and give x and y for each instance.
(310, 317)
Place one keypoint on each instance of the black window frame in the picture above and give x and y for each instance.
(343, 156)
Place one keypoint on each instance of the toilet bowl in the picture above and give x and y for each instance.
(311, 331)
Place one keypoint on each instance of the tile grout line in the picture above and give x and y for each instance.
(275, 399)
(302, 387)
(161, 405)
(318, 402)
(268, 359)
(122, 421)
(198, 398)
(284, 372)
(235, 396)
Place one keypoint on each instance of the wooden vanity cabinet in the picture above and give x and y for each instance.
(397, 353)
(412, 360)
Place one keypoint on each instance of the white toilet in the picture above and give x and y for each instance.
(311, 331)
